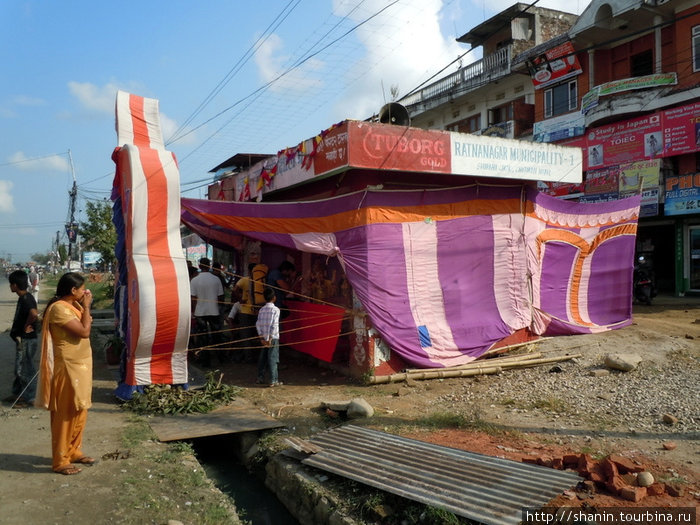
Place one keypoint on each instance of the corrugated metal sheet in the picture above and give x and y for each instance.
(483, 488)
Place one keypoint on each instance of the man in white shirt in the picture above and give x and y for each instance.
(207, 293)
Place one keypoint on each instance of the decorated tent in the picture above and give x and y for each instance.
(152, 289)
(445, 274)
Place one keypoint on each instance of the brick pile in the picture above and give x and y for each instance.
(614, 474)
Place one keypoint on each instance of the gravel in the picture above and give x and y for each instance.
(634, 401)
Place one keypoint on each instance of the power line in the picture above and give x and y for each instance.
(236, 68)
(283, 74)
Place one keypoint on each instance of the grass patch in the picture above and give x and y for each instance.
(551, 404)
(165, 480)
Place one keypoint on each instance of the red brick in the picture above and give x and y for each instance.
(674, 490)
(616, 484)
(608, 468)
(625, 465)
(585, 464)
(530, 460)
(633, 493)
(669, 445)
(545, 461)
(557, 463)
(571, 460)
(657, 489)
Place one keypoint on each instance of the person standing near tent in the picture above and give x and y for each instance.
(281, 280)
(207, 293)
(268, 328)
(248, 291)
(65, 379)
(34, 283)
(23, 333)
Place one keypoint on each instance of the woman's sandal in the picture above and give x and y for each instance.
(68, 470)
(85, 460)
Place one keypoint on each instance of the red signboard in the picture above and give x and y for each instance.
(602, 181)
(681, 129)
(557, 64)
(624, 141)
(383, 146)
(333, 150)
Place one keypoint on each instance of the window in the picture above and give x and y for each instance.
(560, 99)
(468, 125)
(696, 49)
(642, 64)
(500, 114)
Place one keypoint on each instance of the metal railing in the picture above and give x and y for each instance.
(466, 79)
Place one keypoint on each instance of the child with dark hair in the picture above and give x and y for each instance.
(268, 327)
(23, 333)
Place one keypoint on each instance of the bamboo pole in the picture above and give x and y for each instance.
(483, 363)
(395, 378)
(417, 374)
(501, 349)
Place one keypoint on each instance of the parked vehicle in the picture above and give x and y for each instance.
(644, 286)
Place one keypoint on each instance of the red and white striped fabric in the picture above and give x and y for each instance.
(158, 294)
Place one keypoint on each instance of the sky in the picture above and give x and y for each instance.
(230, 77)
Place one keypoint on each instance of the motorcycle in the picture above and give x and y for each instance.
(644, 288)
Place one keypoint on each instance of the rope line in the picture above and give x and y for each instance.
(257, 347)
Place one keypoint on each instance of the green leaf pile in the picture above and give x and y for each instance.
(166, 399)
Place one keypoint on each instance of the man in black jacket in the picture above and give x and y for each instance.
(24, 334)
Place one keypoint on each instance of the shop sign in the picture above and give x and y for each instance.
(600, 197)
(383, 146)
(555, 65)
(682, 195)
(643, 174)
(559, 128)
(495, 157)
(625, 141)
(681, 127)
(602, 181)
(650, 203)
(561, 189)
(590, 99)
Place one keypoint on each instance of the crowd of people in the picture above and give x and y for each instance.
(251, 307)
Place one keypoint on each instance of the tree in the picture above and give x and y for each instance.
(98, 232)
(41, 258)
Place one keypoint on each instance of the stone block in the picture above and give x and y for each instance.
(634, 494)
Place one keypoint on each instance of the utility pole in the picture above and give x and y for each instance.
(72, 227)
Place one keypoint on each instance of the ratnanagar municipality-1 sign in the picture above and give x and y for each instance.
(514, 159)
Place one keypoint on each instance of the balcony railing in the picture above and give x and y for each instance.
(466, 79)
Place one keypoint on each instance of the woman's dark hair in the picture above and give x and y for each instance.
(65, 286)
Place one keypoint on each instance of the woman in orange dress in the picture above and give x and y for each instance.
(65, 381)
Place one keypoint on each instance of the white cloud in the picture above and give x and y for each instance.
(272, 62)
(49, 163)
(404, 46)
(495, 6)
(95, 98)
(170, 126)
(25, 100)
(6, 201)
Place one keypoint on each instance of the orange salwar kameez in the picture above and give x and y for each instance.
(65, 384)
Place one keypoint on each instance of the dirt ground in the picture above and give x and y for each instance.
(31, 493)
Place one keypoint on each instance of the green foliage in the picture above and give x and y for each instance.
(166, 399)
(41, 258)
(98, 232)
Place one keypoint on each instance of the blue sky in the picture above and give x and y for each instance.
(212, 65)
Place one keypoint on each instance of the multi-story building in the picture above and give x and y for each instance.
(487, 97)
(621, 81)
(634, 109)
